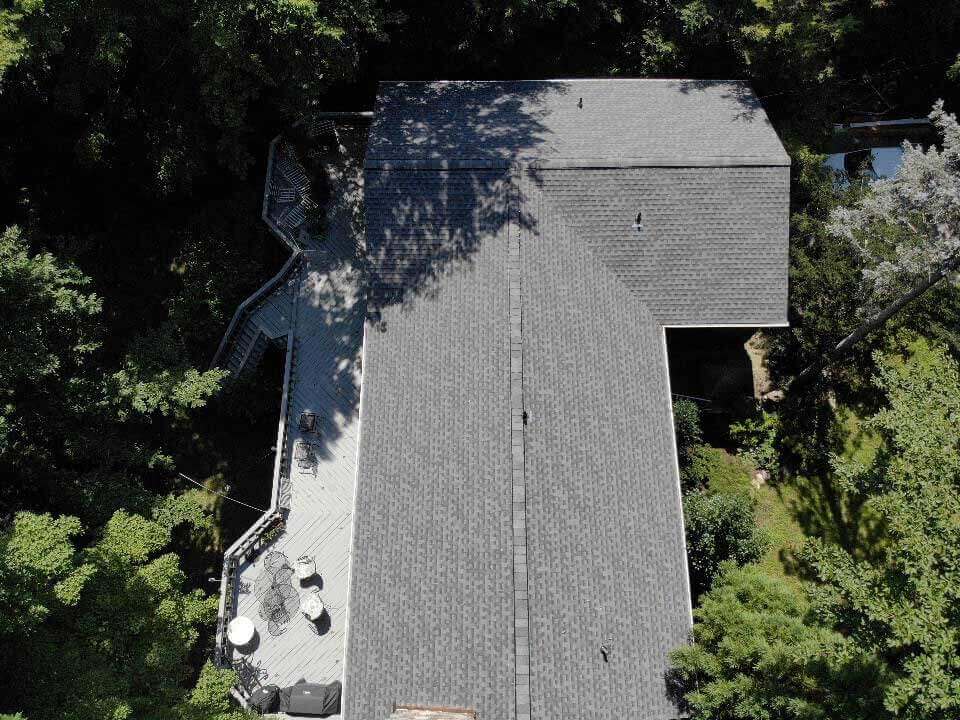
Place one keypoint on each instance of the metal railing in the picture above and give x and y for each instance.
(248, 306)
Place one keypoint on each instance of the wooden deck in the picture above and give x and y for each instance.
(325, 379)
(324, 313)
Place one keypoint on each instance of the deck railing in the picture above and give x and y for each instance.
(248, 306)
(251, 541)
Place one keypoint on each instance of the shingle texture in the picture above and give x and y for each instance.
(671, 121)
(604, 528)
(712, 244)
(517, 499)
(431, 605)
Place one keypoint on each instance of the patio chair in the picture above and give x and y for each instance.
(306, 568)
(312, 606)
(308, 422)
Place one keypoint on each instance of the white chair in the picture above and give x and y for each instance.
(306, 568)
(312, 606)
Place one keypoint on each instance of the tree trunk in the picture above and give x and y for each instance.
(872, 323)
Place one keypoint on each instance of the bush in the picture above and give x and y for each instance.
(719, 528)
(758, 654)
(686, 426)
(756, 439)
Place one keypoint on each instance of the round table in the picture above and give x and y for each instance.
(240, 631)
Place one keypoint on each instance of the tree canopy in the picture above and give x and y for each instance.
(106, 629)
(132, 144)
(757, 656)
(901, 601)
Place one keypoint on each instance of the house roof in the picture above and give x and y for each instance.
(551, 122)
(493, 556)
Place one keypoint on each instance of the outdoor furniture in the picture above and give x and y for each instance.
(240, 631)
(277, 607)
(276, 571)
(313, 607)
(303, 454)
(308, 422)
(306, 568)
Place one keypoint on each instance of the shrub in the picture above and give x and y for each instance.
(719, 528)
(686, 426)
(756, 439)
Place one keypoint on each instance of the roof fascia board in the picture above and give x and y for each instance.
(758, 323)
(665, 359)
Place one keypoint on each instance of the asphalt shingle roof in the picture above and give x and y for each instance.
(478, 563)
(620, 121)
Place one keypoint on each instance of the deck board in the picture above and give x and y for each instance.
(326, 318)
(324, 380)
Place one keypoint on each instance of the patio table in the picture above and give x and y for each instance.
(240, 631)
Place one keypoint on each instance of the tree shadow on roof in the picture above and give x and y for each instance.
(739, 92)
(438, 178)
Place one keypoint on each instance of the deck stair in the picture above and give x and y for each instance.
(261, 320)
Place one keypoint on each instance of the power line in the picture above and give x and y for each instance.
(217, 492)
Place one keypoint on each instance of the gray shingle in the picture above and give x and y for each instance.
(606, 552)
(713, 245)
(493, 556)
(621, 121)
(431, 608)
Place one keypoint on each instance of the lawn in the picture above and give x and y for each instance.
(733, 474)
(784, 510)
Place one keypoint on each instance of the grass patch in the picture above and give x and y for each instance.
(860, 443)
(732, 474)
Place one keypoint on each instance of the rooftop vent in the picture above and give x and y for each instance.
(639, 222)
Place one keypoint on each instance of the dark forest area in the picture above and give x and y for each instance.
(822, 523)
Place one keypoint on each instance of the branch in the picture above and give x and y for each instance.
(873, 323)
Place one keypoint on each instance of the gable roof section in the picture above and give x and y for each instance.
(468, 590)
(712, 249)
(620, 123)
(431, 606)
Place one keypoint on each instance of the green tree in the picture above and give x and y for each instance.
(40, 572)
(181, 76)
(901, 600)
(112, 636)
(689, 436)
(906, 231)
(719, 528)
(65, 414)
(50, 323)
(756, 655)
(210, 698)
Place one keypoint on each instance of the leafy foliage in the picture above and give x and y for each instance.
(210, 699)
(907, 227)
(50, 331)
(901, 601)
(756, 437)
(65, 415)
(720, 528)
(689, 436)
(110, 626)
(757, 656)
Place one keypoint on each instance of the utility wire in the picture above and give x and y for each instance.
(217, 492)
